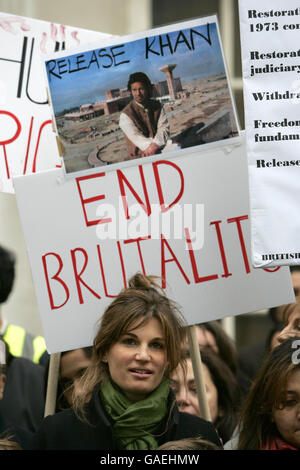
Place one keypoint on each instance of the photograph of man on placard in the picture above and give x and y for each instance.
(143, 120)
(156, 92)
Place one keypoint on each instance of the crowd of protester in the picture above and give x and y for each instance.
(135, 389)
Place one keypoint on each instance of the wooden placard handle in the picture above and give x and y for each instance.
(198, 373)
(52, 384)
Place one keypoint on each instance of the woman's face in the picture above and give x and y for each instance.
(138, 360)
(287, 419)
(186, 393)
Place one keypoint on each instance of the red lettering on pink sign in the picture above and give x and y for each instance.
(89, 200)
(122, 179)
(237, 220)
(12, 139)
(164, 261)
(44, 124)
(56, 278)
(221, 246)
(165, 208)
(122, 264)
(197, 278)
(270, 270)
(78, 278)
(137, 241)
(103, 275)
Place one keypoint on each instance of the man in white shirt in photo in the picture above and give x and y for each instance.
(143, 120)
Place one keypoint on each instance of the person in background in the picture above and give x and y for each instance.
(286, 320)
(22, 399)
(295, 277)
(3, 361)
(123, 401)
(73, 364)
(7, 442)
(290, 317)
(211, 335)
(223, 393)
(270, 418)
(20, 342)
(250, 358)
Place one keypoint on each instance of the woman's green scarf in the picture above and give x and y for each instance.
(134, 422)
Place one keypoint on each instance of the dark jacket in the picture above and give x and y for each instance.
(23, 403)
(64, 431)
(23, 400)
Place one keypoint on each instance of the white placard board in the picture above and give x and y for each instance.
(271, 80)
(27, 141)
(76, 274)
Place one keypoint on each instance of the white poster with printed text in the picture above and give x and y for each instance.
(271, 80)
(27, 142)
(183, 219)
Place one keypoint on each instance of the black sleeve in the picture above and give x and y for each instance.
(192, 426)
(39, 440)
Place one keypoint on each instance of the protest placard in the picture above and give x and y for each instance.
(148, 94)
(27, 141)
(271, 66)
(185, 220)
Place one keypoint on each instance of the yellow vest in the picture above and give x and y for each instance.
(23, 344)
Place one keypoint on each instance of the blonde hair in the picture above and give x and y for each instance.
(140, 302)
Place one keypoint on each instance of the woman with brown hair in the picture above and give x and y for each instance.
(222, 390)
(123, 400)
(270, 419)
(212, 336)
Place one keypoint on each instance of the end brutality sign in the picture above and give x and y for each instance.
(183, 219)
